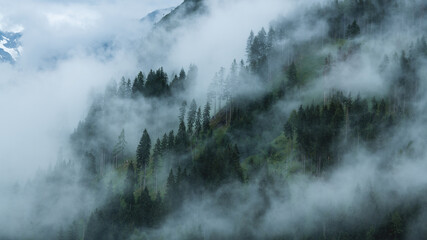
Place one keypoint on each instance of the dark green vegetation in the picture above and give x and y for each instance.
(236, 139)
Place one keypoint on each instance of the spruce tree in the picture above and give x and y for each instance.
(181, 139)
(352, 30)
(198, 122)
(182, 110)
(157, 153)
(171, 140)
(128, 91)
(191, 117)
(121, 92)
(138, 85)
(206, 118)
(164, 144)
(249, 43)
(143, 152)
(130, 182)
(135, 91)
(178, 84)
(119, 148)
(170, 196)
(292, 76)
(288, 130)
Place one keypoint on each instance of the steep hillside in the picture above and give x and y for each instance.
(187, 10)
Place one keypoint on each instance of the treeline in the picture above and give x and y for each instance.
(155, 84)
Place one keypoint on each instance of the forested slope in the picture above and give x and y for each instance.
(290, 143)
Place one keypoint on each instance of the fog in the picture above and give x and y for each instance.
(46, 93)
(73, 49)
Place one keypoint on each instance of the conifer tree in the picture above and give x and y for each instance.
(206, 118)
(352, 30)
(170, 197)
(130, 182)
(249, 43)
(138, 85)
(143, 152)
(182, 110)
(145, 207)
(157, 154)
(119, 148)
(135, 91)
(292, 76)
(178, 84)
(157, 84)
(191, 117)
(171, 140)
(198, 122)
(288, 130)
(181, 139)
(164, 143)
(128, 92)
(121, 92)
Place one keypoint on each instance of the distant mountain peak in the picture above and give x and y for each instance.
(10, 46)
(187, 9)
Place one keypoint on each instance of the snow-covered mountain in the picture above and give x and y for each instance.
(155, 16)
(10, 46)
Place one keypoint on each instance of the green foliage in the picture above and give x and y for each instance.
(292, 76)
(119, 150)
(157, 84)
(198, 122)
(138, 85)
(181, 139)
(317, 127)
(178, 84)
(219, 162)
(143, 150)
(191, 117)
(352, 30)
(206, 118)
(130, 183)
(308, 143)
(257, 51)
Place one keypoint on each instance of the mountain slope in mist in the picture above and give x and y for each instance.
(317, 133)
